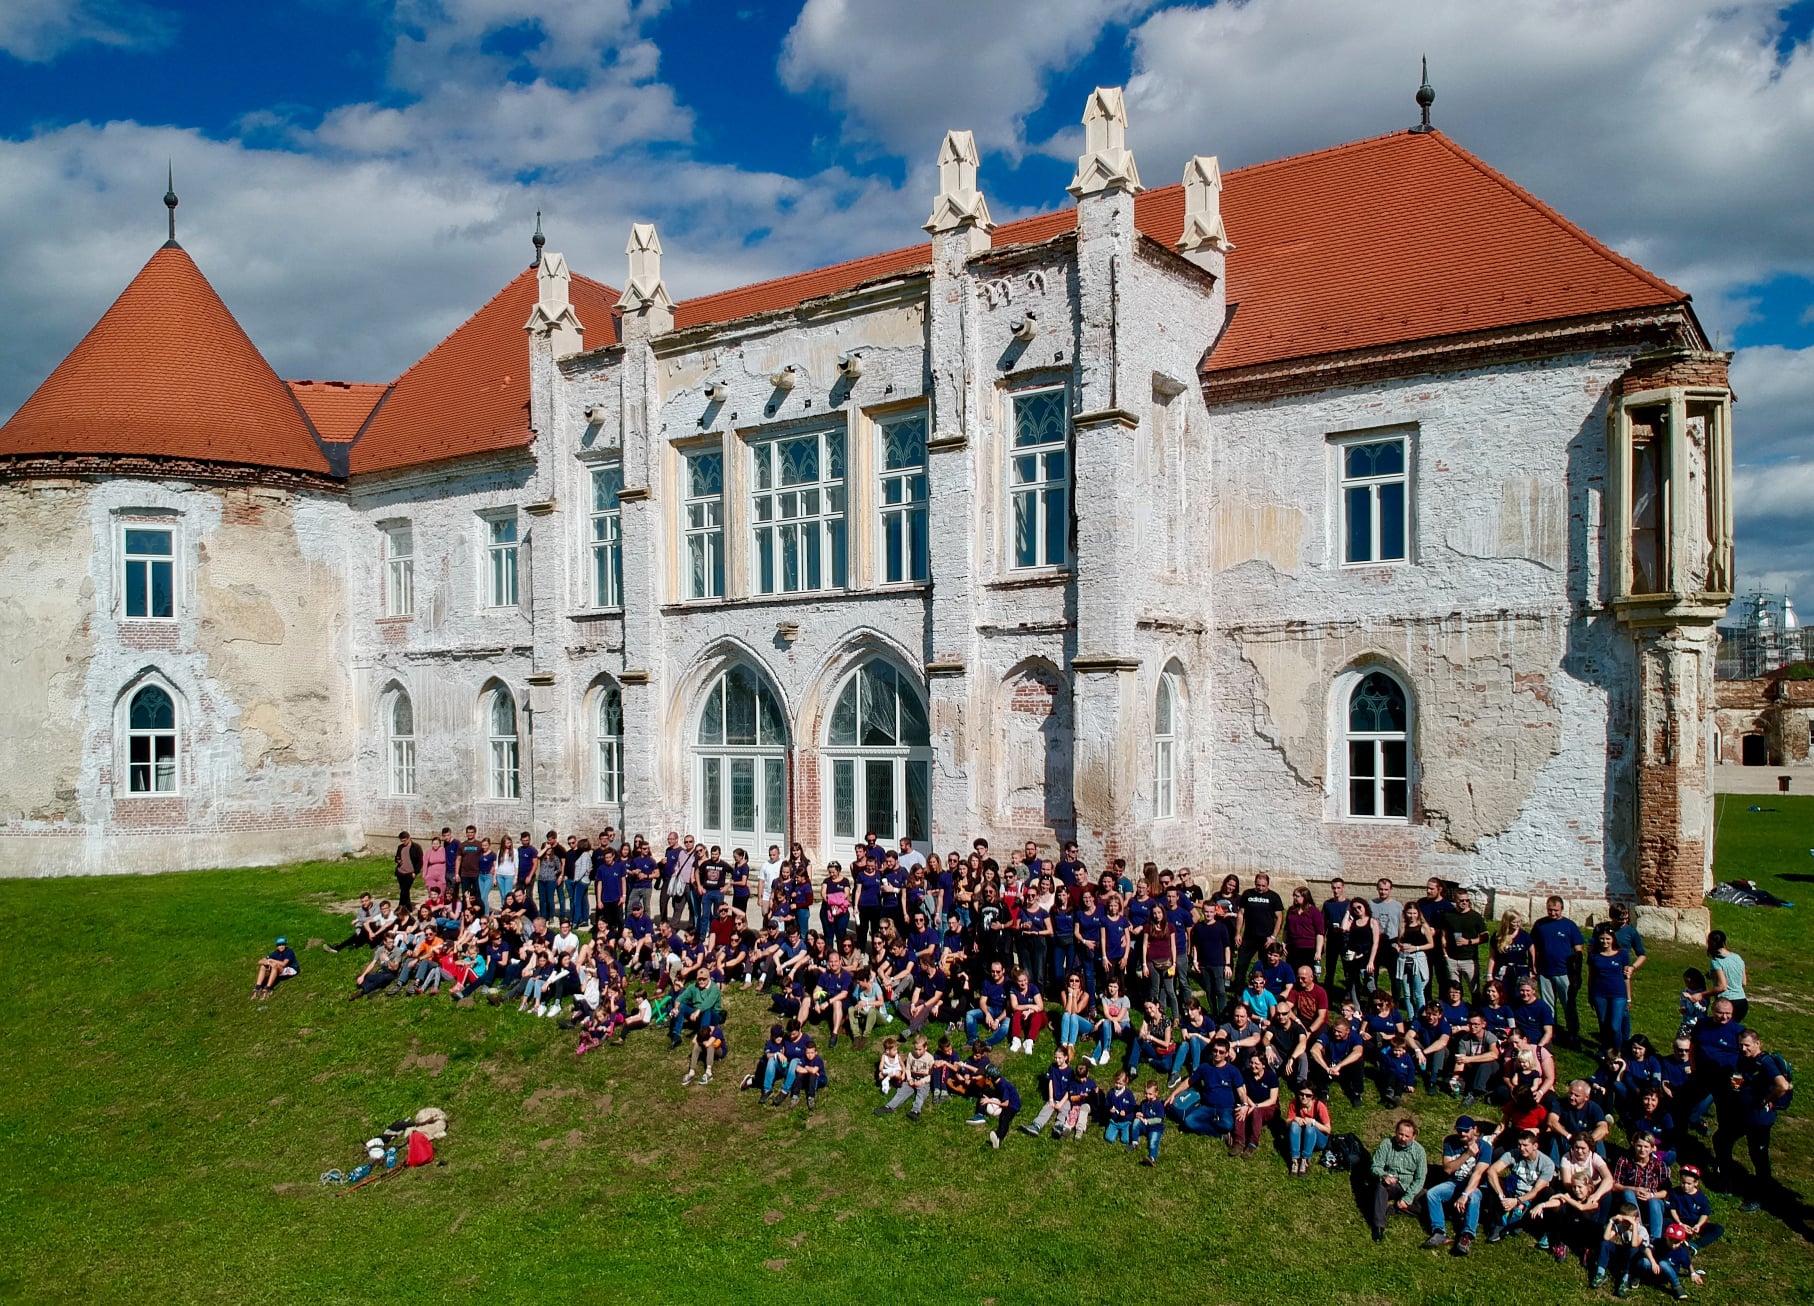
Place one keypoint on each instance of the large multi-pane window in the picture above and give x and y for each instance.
(610, 741)
(1378, 749)
(797, 512)
(399, 570)
(1375, 502)
(505, 758)
(1039, 478)
(607, 537)
(1165, 749)
(149, 569)
(704, 510)
(500, 561)
(402, 745)
(151, 742)
(879, 752)
(905, 551)
(741, 758)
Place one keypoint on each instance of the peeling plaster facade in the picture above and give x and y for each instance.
(1559, 730)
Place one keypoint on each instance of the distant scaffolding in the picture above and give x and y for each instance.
(1766, 637)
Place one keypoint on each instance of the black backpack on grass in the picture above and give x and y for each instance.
(1345, 1153)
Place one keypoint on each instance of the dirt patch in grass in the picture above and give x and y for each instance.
(543, 1098)
(778, 1264)
(772, 1217)
(433, 1062)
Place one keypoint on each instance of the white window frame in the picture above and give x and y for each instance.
(608, 752)
(1030, 480)
(1377, 742)
(502, 577)
(401, 745)
(904, 515)
(808, 518)
(1374, 486)
(718, 765)
(504, 755)
(129, 559)
(1165, 748)
(702, 528)
(399, 570)
(605, 537)
(162, 783)
(906, 762)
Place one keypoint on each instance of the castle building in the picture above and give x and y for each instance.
(1350, 514)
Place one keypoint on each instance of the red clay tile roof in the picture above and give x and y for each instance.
(470, 393)
(167, 371)
(1398, 238)
(337, 408)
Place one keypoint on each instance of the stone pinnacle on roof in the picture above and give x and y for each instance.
(170, 196)
(645, 297)
(1426, 96)
(1203, 228)
(959, 205)
(538, 240)
(1106, 162)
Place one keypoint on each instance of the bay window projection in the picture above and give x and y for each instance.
(797, 512)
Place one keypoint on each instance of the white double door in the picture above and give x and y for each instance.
(742, 800)
(885, 793)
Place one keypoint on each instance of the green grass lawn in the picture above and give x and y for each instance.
(163, 1136)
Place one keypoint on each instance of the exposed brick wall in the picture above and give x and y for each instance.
(1676, 367)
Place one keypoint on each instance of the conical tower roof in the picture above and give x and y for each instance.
(167, 372)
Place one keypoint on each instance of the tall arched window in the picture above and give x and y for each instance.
(402, 745)
(879, 753)
(740, 761)
(609, 721)
(1378, 749)
(151, 742)
(1165, 748)
(506, 770)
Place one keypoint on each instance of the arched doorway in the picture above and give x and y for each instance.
(740, 764)
(878, 761)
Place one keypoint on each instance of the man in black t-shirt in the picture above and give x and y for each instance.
(1260, 910)
(711, 877)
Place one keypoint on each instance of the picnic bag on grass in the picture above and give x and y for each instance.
(1344, 1152)
(421, 1151)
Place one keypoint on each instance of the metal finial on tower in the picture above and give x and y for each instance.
(170, 197)
(1426, 96)
(538, 240)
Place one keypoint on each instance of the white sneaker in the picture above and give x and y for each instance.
(995, 1140)
(1103, 1059)
(706, 1078)
(554, 1011)
(686, 1079)
(541, 1009)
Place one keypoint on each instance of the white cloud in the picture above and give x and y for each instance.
(904, 74)
(1668, 128)
(1775, 390)
(37, 31)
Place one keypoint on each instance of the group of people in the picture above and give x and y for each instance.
(1226, 1013)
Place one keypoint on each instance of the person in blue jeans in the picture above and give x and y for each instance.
(1609, 988)
(1156, 1042)
(991, 1011)
(1150, 1121)
(1465, 1158)
(1120, 1107)
(1205, 1103)
(1306, 1129)
(1627, 1250)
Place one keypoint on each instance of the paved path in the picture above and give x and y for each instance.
(1762, 779)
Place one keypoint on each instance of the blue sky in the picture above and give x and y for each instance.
(358, 175)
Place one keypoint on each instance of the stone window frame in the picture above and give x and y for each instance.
(1344, 688)
(142, 519)
(1165, 744)
(831, 518)
(125, 733)
(607, 744)
(491, 552)
(1339, 445)
(399, 747)
(905, 508)
(1043, 484)
(399, 572)
(503, 751)
(605, 538)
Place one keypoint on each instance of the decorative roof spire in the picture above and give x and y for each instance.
(1106, 163)
(170, 197)
(1426, 96)
(538, 240)
(959, 205)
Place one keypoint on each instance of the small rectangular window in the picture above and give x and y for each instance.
(607, 537)
(1375, 501)
(905, 545)
(399, 571)
(1039, 479)
(798, 513)
(704, 525)
(501, 561)
(150, 573)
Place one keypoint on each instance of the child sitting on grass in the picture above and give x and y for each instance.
(276, 966)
